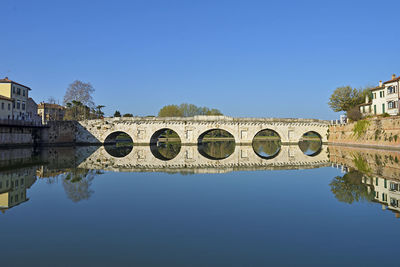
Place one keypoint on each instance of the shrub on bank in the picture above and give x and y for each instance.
(360, 128)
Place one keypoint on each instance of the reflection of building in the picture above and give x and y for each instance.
(51, 112)
(13, 185)
(387, 192)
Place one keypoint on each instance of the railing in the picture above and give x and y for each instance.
(339, 122)
(20, 123)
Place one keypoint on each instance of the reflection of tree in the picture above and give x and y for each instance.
(77, 184)
(268, 147)
(119, 150)
(350, 188)
(309, 146)
(169, 150)
(218, 149)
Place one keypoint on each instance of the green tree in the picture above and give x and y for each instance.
(186, 110)
(344, 98)
(127, 115)
(117, 114)
(170, 111)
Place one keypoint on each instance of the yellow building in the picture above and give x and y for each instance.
(18, 93)
(50, 112)
(5, 107)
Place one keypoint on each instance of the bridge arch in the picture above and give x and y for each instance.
(266, 144)
(165, 144)
(118, 144)
(216, 144)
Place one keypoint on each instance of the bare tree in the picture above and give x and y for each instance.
(79, 91)
(51, 100)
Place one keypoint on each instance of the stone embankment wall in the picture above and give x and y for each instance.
(58, 132)
(371, 132)
(18, 135)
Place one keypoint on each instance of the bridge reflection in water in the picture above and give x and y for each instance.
(368, 175)
(207, 157)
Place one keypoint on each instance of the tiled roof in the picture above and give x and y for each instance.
(366, 104)
(5, 98)
(48, 105)
(377, 88)
(392, 80)
(6, 80)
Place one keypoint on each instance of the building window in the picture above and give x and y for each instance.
(2, 105)
(23, 105)
(385, 183)
(18, 104)
(23, 92)
(363, 108)
(374, 96)
(392, 104)
(18, 91)
(391, 90)
(9, 106)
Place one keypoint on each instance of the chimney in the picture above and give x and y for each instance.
(366, 99)
(393, 76)
(380, 83)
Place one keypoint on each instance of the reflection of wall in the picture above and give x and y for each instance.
(382, 163)
(190, 160)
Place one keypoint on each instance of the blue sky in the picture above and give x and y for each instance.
(247, 58)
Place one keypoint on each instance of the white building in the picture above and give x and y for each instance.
(385, 98)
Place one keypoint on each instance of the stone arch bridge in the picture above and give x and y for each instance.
(189, 129)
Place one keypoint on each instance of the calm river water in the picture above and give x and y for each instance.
(213, 205)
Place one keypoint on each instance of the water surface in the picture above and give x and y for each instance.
(86, 207)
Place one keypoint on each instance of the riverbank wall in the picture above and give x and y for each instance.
(377, 132)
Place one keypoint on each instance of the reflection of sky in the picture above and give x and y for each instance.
(234, 219)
